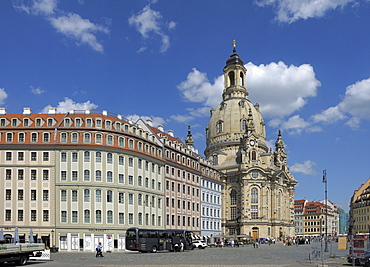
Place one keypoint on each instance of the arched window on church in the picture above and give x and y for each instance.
(244, 124)
(231, 78)
(233, 197)
(254, 195)
(219, 127)
(215, 160)
(253, 155)
(241, 79)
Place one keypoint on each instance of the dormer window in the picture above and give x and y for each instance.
(21, 137)
(74, 137)
(34, 137)
(78, 122)
(88, 122)
(2, 122)
(118, 126)
(9, 137)
(67, 122)
(38, 122)
(46, 137)
(50, 122)
(14, 122)
(98, 123)
(107, 124)
(63, 137)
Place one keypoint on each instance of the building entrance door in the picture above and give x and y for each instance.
(255, 234)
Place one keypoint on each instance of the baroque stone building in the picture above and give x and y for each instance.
(258, 189)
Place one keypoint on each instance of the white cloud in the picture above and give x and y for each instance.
(155, 120)
(281, 89)
(294, 125)
(182, 118)
(305, 168)
(68, 104)
(278, 88)
(83, 31)
(37, 91)
(330, 115)
(3, 96)
(292, 10)
(197, 88)
(357, 100)
(148, 22)
(38, 7)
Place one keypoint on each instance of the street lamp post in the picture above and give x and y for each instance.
(324, 180)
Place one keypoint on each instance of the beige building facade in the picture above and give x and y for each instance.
(257, 187)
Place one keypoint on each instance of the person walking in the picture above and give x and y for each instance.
(222, 244)
(98, 250)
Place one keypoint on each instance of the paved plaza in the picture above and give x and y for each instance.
(265, 255)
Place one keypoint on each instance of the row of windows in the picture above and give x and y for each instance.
(21, 156)
(21, 194)
(211, 212)
(77, 122)
(145, 200)
(185, 161)
(206, 225)
(190, 206)
(182, 220)
(87, 138)
(210, 185)
(142, 219)
(179, 174)
(189, 191)
(254, 196)
(110, 157)
(109, 178)
(21, 174)
(220, 124)
(20, 215)
(210, 198)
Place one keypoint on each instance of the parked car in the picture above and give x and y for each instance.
(365, 260)
(199, 244)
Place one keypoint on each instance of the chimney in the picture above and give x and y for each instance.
(171, 133)
(2, 111)
(52, 111)
(71, 111)
(149, 122)
(26, 111)
(160, 127)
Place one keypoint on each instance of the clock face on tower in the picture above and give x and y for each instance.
(251, 142)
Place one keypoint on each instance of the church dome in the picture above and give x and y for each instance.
(236, 116)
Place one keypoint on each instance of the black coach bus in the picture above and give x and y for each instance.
(145, 240)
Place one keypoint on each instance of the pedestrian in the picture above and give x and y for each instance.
(232, 243)
(181, 246)
(98, 250)
(222, 244)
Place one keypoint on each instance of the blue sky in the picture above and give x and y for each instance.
(308, 68)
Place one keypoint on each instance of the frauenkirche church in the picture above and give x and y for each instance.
(257, 187)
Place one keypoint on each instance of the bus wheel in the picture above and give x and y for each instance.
(154, 249)
(23, 260)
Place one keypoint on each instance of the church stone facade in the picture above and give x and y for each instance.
(257, 187)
